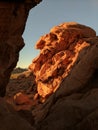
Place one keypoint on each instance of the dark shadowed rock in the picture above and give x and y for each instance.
(13, 16)
(10, 120)
(21, 91)
(23, 82)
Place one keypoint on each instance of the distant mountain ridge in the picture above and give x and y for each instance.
(19, 70)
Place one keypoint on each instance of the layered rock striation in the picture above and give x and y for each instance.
(13, 16)
(60, 51)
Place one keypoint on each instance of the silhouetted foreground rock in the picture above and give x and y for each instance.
(67, 70)
(10, 120)
(13, 16)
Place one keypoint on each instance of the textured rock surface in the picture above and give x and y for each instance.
(10, 120)
(13, 16)
(74, 105)
(59, 53)
(23, 82)
(21, 91)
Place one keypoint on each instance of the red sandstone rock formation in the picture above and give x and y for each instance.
(60, 51)
(73, 104)
(13, 16)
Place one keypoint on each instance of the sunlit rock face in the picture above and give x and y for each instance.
(13, 16)
(59, 52)
(67, 70)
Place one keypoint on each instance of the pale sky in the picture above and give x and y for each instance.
(50, 13)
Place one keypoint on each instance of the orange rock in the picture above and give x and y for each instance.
(59, 52)
(21, 98)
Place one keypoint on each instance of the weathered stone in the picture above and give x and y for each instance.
(73, 106)
(21, 91)
(10, 120)
(21, 98)
(13, 16)
(59, 52)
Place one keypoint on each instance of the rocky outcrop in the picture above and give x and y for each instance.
(60, 51)
(21, 91)
(69, 57)
(10, 119)
(13, 16)
(66, 74)
(23, 82)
